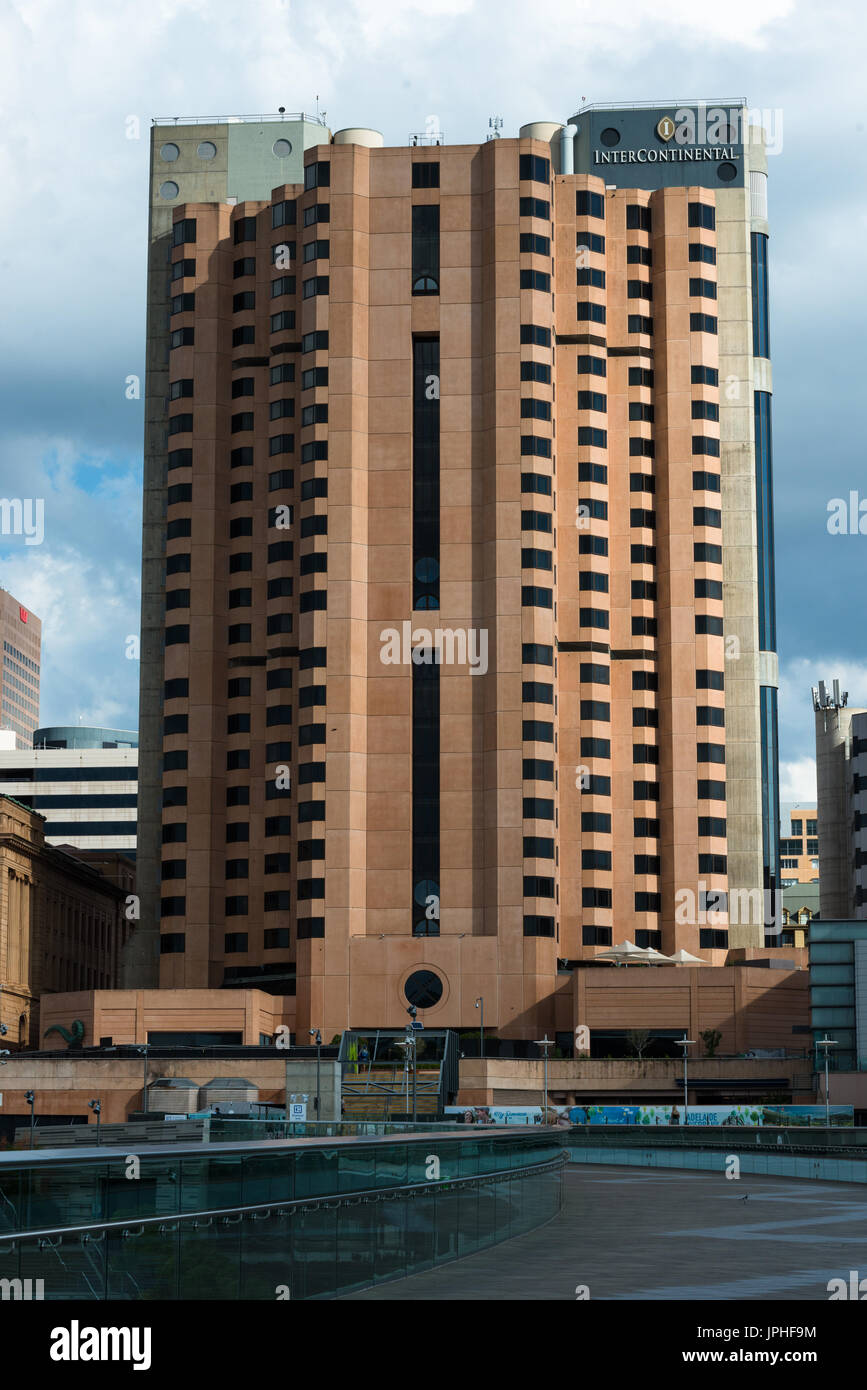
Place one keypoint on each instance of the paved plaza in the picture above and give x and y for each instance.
(667, 1234)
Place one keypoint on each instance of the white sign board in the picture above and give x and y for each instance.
(298, 1111)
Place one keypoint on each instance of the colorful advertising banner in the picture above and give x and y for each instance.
(744, 1116)
(726, 1115)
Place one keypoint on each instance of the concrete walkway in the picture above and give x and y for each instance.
(674, 1234)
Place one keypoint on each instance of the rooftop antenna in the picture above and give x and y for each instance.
(495, 125)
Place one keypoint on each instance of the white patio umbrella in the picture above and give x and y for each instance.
(651, 956)
(624, 953)
(683, 957)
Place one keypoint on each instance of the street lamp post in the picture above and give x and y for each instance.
(30, 1098)
(685, 1042)
(545, 1043)
(480, 1005)
(95, 1106)
(825, 1043)
(316, 1035)
(411, 1043)
(143, 1053)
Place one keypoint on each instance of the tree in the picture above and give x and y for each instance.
(638, 1039)
(711, 1037)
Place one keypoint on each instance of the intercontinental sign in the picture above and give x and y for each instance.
(684, 152)
(654, 156)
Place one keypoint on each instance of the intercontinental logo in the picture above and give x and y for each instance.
(665, 128)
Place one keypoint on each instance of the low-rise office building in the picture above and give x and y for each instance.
(83, 780)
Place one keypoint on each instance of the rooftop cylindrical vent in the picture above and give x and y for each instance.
(359, 135)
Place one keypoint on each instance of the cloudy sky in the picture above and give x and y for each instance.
(73, 230)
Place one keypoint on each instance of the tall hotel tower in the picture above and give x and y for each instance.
(457, 619)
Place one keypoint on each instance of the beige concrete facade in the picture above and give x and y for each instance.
(515, 1082)
(117, 1017)
(62, 925)
(64, 1086)
(582, 798)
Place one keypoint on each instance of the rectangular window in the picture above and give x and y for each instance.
(534, 168)
(318, 174)
(532, 333)
(532, 445)
(537, 654)
(426, 474)
(319, 212)
(425, 796)
(702, 289)
(283, 214)
(641, 376)
(316, 251)
(592, 366)
(637, 218)
(538, 847)
(184, 231)
(699, 252)
(536, 371)
(589, 204)
(702, 215)
(245, 230)
(425, 173)
(425, 249)
(589, 276)
(759, 283)
(535, 207)
(536, 482)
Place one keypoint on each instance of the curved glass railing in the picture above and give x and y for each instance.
(274, 1220)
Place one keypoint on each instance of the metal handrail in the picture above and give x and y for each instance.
(655, 105)
(233, 120)
(283, 1204)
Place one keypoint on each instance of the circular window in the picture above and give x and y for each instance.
(424, 989)
(610, 136)
(726, 172)
(169, 189)
(206, 150)
(424, 889)
(169, 153)
(426, 570)
(282, 148)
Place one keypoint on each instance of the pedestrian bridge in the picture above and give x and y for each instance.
(299, 1218)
